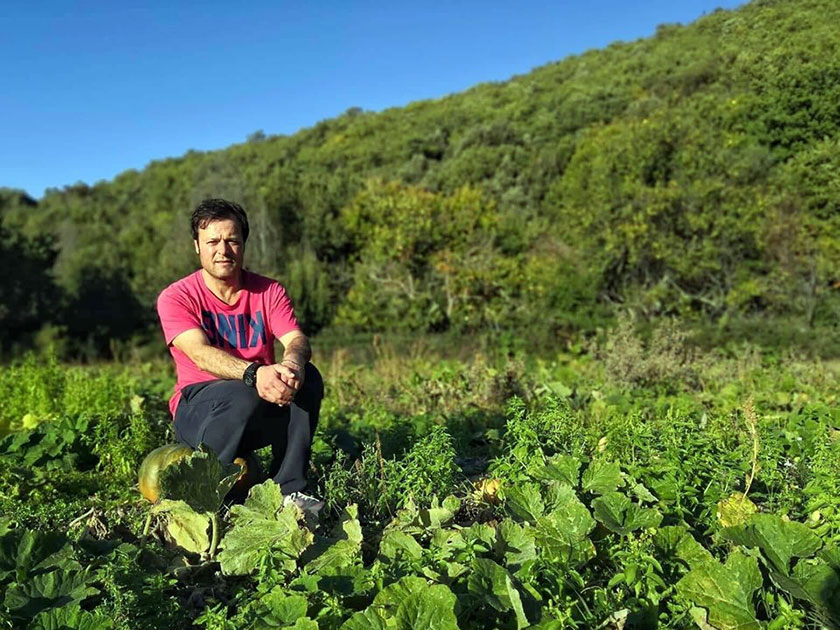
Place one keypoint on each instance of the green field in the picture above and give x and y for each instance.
(500, 445)
(602, 487)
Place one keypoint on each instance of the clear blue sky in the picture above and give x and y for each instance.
(93, 88)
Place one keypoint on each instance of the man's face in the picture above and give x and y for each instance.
(220, 249)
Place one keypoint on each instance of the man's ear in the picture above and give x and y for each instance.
(195, 243)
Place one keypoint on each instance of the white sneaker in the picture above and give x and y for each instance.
(310, 506)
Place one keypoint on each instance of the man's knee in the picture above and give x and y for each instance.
(313, 382)
(236, 402)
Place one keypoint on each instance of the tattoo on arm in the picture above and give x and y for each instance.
(298, 351)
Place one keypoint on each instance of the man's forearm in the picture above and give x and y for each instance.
(298, 351)
(219, 363)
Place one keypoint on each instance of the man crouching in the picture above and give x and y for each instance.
(220, 323)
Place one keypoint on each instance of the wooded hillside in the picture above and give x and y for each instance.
(696, 172)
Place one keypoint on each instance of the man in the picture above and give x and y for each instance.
(220, 323)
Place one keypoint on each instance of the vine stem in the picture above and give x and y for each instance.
(215, 527)
(751, 420)
(147, 526)
(79, 519)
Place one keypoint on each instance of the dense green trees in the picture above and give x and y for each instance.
(692, 173)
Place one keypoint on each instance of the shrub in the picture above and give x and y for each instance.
(629, 361)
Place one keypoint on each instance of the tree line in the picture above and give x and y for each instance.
(692, 173)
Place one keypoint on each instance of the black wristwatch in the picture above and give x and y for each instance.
(250, 375)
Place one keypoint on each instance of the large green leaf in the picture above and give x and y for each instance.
(396, 544)
(33, 552)
(188, 528)
(620, 515)
(345, 547)
(667, 538)
(494, 585)
(562, 468)
(415, 521)
(779, 540)
(515, 544)
(283, 609)
(263, 525)
(380, 615)
(601, 477)
(432, 608)
(70, 617)
(725, 592)
(816, 582)
(391, 596)
(562, 535)
(556, 494)
(480, 535)
(675, 539)
(371, 618)
(445, 542)
(524, 501)
(200, 480)
(48, 590)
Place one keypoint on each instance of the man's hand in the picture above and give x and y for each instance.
(291, 372)
(272, 387)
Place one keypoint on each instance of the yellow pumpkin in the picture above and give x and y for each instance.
(165, 456)
(155, 462)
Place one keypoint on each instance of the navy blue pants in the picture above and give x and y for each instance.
(231, 419)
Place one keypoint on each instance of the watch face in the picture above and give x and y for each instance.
(250, 376)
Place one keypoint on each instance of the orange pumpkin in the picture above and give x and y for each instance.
(165, 456)
(155, 462)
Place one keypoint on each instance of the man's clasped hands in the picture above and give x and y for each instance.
(280, 382)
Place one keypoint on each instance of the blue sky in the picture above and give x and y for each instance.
(95, 88)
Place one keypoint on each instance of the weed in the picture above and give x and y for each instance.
(629, 361)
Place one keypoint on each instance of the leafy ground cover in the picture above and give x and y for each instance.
(678, 489)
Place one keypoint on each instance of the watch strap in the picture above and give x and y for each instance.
(249, 377)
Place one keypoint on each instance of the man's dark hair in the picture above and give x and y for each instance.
(215, 210)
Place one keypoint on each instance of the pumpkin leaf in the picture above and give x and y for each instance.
(524, 502)
(283, 609)
(344, 548)
(778, 540)
(371, 618)
(562, 468)
(675, 539)
(431, 608)
(380, 615)
(492, 583)
(724, 593)
(562, 535)
(736, 509)
(48, 590)
(71, 616)
(620, 515)
(415, 521)
(200, 480)
(601, 477)
(263, 526)
(396, 544)
(32, 552)
(515, 544)
(187, 528)
(815, 581)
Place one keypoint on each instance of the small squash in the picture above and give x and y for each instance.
(163, 457)
(156, 461)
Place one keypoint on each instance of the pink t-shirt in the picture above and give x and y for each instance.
(245, 329)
